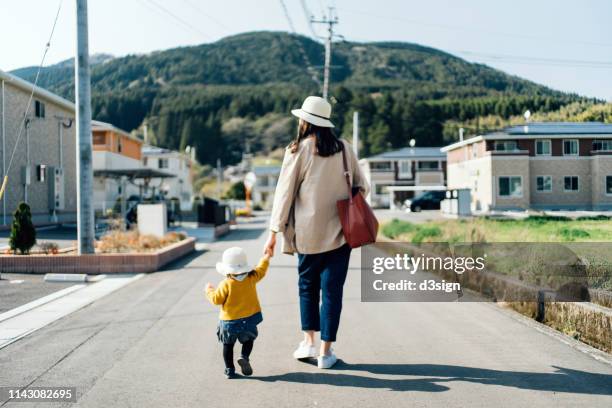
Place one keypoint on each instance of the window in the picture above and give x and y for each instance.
(381, 189)
(570, 147)
(506, 146)
(570, 183)
(544, 183)
(381, 166)
(609, 185)
(162, 163)
(429, 165)
(99, 138)
(39, 109)
(542, 148)
(510, 186)
(602, 145)
(119, 145)
(404, 169)
(41, 172)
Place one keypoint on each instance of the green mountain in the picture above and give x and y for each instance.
(214, 96)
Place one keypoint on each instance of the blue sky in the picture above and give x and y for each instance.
(564, 44)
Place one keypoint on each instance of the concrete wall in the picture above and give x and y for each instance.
(510, 166)
(44, 148)
(558, 168)
(477, 176)
(601, 166)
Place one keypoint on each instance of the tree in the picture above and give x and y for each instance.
(23, 233)
(236, 191)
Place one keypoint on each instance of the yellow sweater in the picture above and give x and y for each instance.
(238, 299)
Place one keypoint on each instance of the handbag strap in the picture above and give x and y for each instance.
(347, 175)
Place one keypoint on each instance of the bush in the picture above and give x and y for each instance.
(424, 233)
(599, 217)
(395, 228)
(49, 248)
(236, 191)
(541, 219)
(23, 233)
(569, 234)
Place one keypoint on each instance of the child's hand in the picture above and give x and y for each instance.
(209, 286)
(266, 256)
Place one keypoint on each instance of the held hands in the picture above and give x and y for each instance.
(209, 286)
(270, 244)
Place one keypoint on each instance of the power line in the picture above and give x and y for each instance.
(311, 70)
(211, 18)
(538, 60)
(29, 103)
(563, 41)
(308, 16)
(169, 13)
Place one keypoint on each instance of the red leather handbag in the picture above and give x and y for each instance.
(359, 225)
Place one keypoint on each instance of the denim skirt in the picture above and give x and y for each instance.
(242, 330)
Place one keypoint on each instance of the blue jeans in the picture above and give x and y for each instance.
(321, 277)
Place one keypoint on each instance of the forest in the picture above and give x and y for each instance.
(221, 96)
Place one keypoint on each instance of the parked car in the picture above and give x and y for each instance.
(428, 200)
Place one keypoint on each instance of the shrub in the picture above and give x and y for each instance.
(599, 217)
(23, 233)
(569, 234)
(49, 248)
(236, 191)
(395, 228)
(424, 233)
(541, 219)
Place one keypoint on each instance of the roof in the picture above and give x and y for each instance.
(560, 128)
(539, 129)
(98, 125)
(138, 173)
(155, 150)
(38, 91)
(410, 153)
(263, 170)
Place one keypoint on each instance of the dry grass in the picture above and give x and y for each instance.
(132, 241)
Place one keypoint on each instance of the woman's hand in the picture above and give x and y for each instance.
(270, 244)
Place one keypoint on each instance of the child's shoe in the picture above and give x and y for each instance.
(245, 366)
(230, 373)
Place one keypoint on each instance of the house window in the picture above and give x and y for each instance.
(602, 145)
(570, 147)
(41, 172)
(506, 146)
(99, 138)
(119, 145)
(609, 185)
(429, 165)
(381, 189)
(39, 109)
(510, 186)
(162, 163)
(404, 169)
(542, 147)
(381, 166)
(570, 183)
(544, 184)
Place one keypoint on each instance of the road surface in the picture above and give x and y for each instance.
(153, 344)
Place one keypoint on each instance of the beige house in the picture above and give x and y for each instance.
(547, 166)
(43, 170)
(398, 175)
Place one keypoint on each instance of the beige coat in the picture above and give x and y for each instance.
(308, 188)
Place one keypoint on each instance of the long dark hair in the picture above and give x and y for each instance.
(327, 143)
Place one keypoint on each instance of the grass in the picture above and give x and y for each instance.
(530, 229)
(586, 238)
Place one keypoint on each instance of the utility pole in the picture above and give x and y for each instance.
(330, 21)
(84, 170)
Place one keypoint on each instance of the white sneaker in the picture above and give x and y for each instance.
(327, 361)
(304, 351)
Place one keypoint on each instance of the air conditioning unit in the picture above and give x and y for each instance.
(56, 188)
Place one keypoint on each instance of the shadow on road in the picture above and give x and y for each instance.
(563, 380)
(243, 234)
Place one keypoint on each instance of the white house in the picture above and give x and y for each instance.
(176, 163)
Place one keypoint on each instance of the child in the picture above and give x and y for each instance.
(240, 311)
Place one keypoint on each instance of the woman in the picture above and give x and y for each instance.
(310, 183)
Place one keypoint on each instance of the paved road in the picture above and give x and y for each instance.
(152, 344)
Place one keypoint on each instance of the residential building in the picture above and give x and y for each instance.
(265, 185)
(554, 166)
(42, 171)
(177, 164)
(113, 149)
(399, 174)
